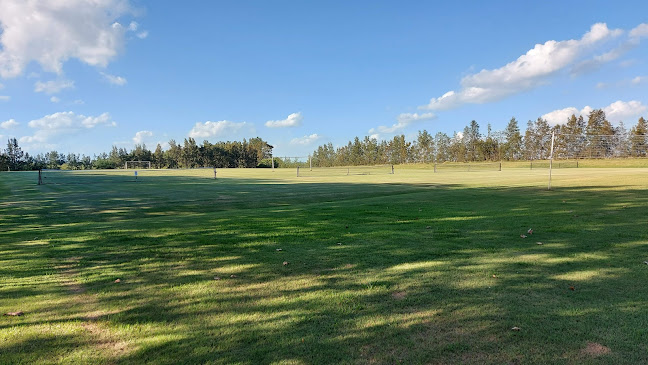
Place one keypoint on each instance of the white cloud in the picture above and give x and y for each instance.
(621, 110)
(306, 140)
(133, 26)
(529, 70)
(51, 32)
(54, 99)
(637, 80)
(143, 35)
(222, 128)
(64, 123)
(78, 102)
(5, 97)
(1, 86)
(293, 120)
(9, 124)
(115, 80)
(640, 31)
(560, 116)
(141, 135)
(403, 120)
(615, 112)
(53, 86)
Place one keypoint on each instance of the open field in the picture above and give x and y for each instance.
(413, 267)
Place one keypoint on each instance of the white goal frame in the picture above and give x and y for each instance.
(148, 164)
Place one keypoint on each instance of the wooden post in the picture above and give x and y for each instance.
(310, 162)
(392, 169)
(40, 176)
(435, 167)
(214, 173)
(500, 166)
(297, 171)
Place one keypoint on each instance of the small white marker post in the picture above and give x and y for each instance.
(214, 173)
(272, 161)
(310, 162)
(553, 135)
(135, 175)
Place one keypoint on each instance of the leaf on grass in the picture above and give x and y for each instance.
(572, 288)
(14, 314)
(285, 263)
(216, 278)
(278, 249)
(646, 262)
(530, 231)
(428, 227)
(232, 276)
(515, 329)
(495, 276)
(118, 281)
(339, 243)
(538, 243)
(523, 236)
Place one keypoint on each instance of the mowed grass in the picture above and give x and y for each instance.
(414, 267)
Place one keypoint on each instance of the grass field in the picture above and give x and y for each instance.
(267, 268)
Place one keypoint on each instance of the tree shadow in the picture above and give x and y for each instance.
(375, 273)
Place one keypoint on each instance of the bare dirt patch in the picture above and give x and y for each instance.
(399, 295)
(594, 349)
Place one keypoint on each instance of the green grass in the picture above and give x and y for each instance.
(382, 268)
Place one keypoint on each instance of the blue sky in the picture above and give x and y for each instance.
(81, 75)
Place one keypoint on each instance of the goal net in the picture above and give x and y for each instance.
(344, 171)
(467, 167)
(137, 165)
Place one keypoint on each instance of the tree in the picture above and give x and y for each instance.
(14, 155)
(513, 145)
(639, 138)
(472, 139)
(424, 147)
(158, 157)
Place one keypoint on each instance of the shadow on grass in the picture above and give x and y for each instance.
(376, 273)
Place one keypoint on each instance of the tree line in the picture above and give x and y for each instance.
(576, 138)
(254, 152)
(595, 137)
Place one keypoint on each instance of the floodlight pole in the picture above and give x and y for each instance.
(553, 135)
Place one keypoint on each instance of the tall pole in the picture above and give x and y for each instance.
(272, 161)
(553, 135)
(310, 162)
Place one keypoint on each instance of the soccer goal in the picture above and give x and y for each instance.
(137, 165)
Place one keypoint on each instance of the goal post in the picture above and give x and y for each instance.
(137, 165)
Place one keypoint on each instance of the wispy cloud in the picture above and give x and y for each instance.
(615, 112)
(53, 86)
(293, 120)
(64, 123)
(306, 140)
(530, 70)
(8, 124)
(113, 79)
(222, 128)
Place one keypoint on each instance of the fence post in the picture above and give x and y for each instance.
(214, 173)
(435, 167)
(553, 135)
(297, 171)
(500, 166)
(392, 169)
